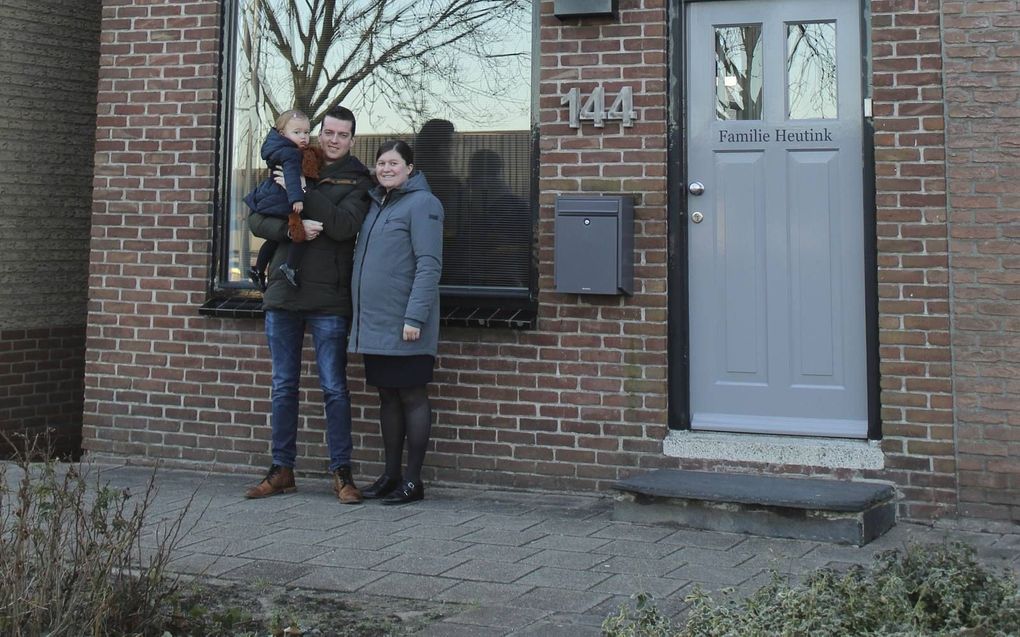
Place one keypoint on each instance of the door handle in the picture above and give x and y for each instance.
(696, 188)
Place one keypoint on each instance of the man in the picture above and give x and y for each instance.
(334, 208)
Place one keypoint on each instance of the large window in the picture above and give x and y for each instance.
(451, 77)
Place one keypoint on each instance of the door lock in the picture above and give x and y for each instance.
(696, 188)
(697, 217)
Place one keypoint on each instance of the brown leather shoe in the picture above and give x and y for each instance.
(344, 487)
(278, 480)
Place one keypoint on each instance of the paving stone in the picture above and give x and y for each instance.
(635, 549)
(496, 553)
(575, 528)
(271, 572)
(628, 584)
(559, 599)
(505, 522)
(713, 574)
(352, 558)
(202, 564)
(639, 566)
(309, 523)
(345, 580)
(431, 518)
(624, 531)
(292, 552)
(499, 536)
(569, 543)
(711, 557)
(421, 565)
(451, 629)
(226, 546)
(409, 586)
(483, 593)
(362, 542)
(703, 539)
(775, 546)
(426, 546)
(565, 559)
(552, 629)
(490, 571)
(436, 532)
(549, 577)
(507, 617)
(298, 536)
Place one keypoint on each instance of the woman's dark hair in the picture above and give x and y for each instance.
(400, 146)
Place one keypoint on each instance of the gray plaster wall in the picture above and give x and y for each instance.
(49, 65)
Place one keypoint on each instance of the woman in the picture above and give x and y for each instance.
(395, 289)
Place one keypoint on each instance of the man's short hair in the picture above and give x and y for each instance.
(343, 114)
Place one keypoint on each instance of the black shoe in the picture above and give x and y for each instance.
(408, 492)
(290, 273)
(258, 277)
(381, 488)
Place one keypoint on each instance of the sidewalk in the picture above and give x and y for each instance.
(529, 563)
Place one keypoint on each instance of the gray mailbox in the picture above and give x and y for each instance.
(594, 244)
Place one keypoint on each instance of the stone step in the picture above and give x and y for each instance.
(838, 511)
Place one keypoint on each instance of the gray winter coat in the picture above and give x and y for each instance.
(397, 264)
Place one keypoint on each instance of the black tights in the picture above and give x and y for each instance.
(405, 413)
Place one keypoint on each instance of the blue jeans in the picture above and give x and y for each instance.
(286, 331)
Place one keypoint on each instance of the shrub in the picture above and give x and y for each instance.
(928, 590)
(72, 556)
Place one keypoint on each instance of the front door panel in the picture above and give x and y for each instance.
(776, 269)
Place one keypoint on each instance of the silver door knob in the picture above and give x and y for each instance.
(697, 217)
(696, 188)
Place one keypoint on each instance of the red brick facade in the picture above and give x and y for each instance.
(581, 400)
(47, 130)
(982, 80)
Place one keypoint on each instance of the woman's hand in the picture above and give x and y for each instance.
(278, 177)
(411, 333)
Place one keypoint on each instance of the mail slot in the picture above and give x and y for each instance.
(594, 244)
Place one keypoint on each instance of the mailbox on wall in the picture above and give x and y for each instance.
(594, 244)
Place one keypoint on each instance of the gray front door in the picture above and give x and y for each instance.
(775, 221)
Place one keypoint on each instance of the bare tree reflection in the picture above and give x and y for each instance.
(811, 70)
(738, 59)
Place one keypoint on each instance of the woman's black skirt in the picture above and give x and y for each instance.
(398, 371)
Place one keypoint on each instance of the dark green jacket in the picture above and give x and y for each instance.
(340, 201)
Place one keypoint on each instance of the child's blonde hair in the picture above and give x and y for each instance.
(286, 116)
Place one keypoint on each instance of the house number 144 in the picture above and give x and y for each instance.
(593, 108)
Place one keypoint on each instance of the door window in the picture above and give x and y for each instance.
(811, 70)
(738, 70)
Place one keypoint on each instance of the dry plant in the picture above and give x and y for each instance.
(72, 560)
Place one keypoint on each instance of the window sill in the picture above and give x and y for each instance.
(243, 307)
(490, 317)
(453, 315)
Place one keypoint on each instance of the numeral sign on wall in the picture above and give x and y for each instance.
(593, 108)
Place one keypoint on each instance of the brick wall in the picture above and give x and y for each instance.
(47, 118)
(581, 400)
(568, 405)
(913, 259)
(982, 57)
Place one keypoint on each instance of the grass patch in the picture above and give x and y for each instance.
(928, 589)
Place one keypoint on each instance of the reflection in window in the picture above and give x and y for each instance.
(449, 77)
(811, 70)
(738, 72)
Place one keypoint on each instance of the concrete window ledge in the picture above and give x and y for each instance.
(831, 453)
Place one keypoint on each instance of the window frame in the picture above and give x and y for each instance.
(474, 306)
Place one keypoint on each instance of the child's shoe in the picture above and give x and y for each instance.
(258, 277)
(290, 273)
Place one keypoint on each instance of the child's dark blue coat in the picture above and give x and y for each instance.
(269, 198)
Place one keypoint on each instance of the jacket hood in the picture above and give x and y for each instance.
(275, 142)
(416, 182)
